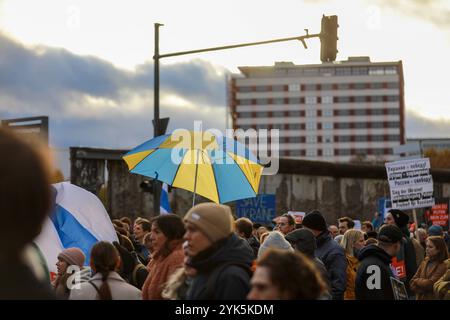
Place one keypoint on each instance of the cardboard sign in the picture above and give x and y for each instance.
(411, 183)
(260, 209)
(439, 214)
(399, 289)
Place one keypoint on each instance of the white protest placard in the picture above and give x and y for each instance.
(298, 216)
(411, 183)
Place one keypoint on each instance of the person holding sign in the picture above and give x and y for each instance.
(405, 262)
(431, 269)
(373, 278)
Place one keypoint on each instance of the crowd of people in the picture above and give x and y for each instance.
(208, 254)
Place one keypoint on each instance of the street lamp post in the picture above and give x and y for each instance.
(157, 186)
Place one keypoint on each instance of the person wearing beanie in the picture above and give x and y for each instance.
(377, 258)
(275, 239)
(303, 240)
(435, 231)
(410, 255)
(329, 252)
(70, 257)
(222, 259)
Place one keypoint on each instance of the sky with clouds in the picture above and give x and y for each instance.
(87, 64)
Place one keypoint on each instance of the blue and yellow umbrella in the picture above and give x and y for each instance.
(216, 167)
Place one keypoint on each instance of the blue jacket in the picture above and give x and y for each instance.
(333, 257)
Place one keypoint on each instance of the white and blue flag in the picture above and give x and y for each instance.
(164, 207)
(79, 220)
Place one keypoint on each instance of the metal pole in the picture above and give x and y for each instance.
(156, 57)
(195, 178)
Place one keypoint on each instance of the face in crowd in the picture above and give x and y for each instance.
(262, 286)
(284, 227)
(197, 241)
(61, 266)
(157, 238)
(343, 227)
(389, 219)
(334, 231)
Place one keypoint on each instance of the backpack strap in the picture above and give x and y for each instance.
(138, 267)
(214, 276)
(95, 287)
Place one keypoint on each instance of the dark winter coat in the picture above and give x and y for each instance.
(233, 281)
(18, 282)
(254, 244)
(369, 256)
(333, 257)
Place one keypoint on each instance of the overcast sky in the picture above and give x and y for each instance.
(87, 63)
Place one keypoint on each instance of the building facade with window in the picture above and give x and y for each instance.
(330, 111)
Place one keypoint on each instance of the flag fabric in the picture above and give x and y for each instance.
(79, 219)
(164, 201)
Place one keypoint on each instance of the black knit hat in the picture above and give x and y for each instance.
(314, 220)
(401, 218)
(303, 240)
(390, 234)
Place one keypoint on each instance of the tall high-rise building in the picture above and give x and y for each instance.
(331, 111)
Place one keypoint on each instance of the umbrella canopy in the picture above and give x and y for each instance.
(215, 167)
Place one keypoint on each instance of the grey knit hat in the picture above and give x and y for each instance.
(275, 239)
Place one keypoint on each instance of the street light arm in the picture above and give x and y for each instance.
(300, 38)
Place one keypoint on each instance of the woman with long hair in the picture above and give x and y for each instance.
(352, 242)
(431, 269)
(167, 256)
(106, 284)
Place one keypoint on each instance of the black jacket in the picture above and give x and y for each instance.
(371, 256)
(233, 282)
(333, 257)
(254, 244)
(19, 283)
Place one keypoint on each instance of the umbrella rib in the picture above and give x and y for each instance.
(243, 174)
(215, 178)
(178, 168)
(156, 149)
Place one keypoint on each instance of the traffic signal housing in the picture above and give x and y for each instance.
(328, 38)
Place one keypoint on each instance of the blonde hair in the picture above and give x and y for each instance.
(350, 238)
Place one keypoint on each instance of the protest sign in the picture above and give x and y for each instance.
(298, 216)
(438, 214)
(260, 209)
(411, 183)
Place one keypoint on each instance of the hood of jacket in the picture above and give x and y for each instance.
(376, 251)
(322, 238)
(231, 249)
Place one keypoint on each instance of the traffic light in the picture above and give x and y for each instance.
(328, 38)
(147, 186)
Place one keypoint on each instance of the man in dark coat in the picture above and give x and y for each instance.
(221, 259)
(303, 240)
(373, 278)
(405, 262)
(329, 252)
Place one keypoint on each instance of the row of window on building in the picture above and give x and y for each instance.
(330, 152)
(319, 113)
(339, 71)
(324, 125)
(318, 100)
(295, 87)
(337, 138)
